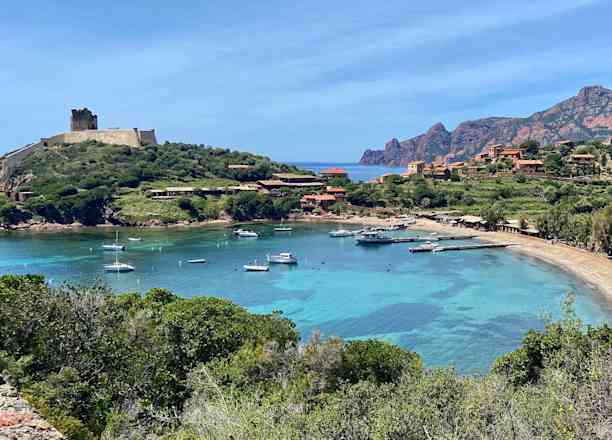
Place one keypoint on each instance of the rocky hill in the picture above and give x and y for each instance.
(586, 115)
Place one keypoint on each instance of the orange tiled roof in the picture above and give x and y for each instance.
(319, 197)
(334, 170)
(529, 162)
(336, 189)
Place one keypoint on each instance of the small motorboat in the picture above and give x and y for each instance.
(115, 246)
(248, 234)
(341, 233)
(282, 228)
(255, 267)
(197, 261)
(135, 238)
(425, 247)
(282, 258)
(237, 231)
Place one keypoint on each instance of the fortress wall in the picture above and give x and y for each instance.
(12, 160)
(147, 137)
(119, 136)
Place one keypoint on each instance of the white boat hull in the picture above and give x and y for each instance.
(119, 268)
(250, 268)
(281, 260)
(113, 247)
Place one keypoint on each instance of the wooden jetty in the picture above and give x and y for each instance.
(462, 247)
(431, 238)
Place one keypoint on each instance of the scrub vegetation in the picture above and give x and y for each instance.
(91, 182)
(99, 365)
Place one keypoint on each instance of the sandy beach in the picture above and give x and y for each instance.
(594, 270)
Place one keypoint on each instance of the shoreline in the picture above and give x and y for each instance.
(594, 270)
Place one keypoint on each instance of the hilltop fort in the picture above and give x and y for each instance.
(83, 127)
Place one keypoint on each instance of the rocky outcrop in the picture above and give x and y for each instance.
(18, 421)
(586, 115)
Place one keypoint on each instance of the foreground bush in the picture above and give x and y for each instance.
(160, 367)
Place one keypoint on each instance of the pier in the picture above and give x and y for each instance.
(463, 247)
(431, 238)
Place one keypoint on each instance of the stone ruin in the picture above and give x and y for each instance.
(83, 119)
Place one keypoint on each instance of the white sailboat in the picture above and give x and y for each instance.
(115, 246)
(118, 267)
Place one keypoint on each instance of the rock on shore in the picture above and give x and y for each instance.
(18, 421)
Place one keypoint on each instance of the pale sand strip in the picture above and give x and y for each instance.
(594, 270)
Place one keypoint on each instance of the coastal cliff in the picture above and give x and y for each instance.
(586, 115)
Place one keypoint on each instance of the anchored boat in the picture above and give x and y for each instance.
(254, 267)
(197, 261)
(282, 258)
(118, 267)
(341, 233)
(373, 237)
(247, 234)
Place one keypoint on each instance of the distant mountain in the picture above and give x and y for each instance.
(586, 115)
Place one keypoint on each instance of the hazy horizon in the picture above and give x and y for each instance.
(313, 82)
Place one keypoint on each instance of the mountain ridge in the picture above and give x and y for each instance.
(586, 115)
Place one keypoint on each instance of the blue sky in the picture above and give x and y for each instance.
(307, 81)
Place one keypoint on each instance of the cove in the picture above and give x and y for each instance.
(460, 309)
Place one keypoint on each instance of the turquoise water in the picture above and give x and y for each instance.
(356, 172)
(454, 308)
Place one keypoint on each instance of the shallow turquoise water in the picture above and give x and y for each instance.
(455, 308)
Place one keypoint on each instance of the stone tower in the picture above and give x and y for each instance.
(83, 119)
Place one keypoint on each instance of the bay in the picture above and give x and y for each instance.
(460, 309)
(356, 172)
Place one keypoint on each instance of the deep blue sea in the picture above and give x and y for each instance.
(454, 308)
(356, 172)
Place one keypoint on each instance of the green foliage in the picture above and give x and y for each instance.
(104, 172)
(10, 214)
(493, 215)
(531, 147)
(376, 362)
(158, 366)
(79, 352)
(252, 205)
(553, 164)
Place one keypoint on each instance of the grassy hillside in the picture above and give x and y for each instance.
(92, 182)
(91, 164)
(99, 365)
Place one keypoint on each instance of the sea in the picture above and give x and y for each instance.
(459, 309)
(356, 172)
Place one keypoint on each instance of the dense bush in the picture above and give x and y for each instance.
(157, 366)
(82, 352)
(252, 205)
